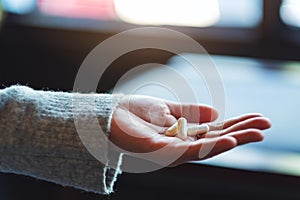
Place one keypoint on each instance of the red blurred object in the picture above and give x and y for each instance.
(92, 9)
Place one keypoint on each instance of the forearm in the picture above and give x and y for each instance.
(38, 137)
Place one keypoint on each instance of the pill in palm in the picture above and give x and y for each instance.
(172, 130)
(197, 130)
(182, 128)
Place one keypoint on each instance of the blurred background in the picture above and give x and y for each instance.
(255, 44)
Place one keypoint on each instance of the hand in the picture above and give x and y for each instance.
(139, 122)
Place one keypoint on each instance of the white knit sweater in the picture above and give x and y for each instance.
(38, 138)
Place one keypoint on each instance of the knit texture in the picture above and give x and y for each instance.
(38, 137)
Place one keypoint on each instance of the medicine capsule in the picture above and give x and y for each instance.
(182, 128)
(197, 130)
(172, 130)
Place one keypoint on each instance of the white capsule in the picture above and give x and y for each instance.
(197, 130)
(172, 130)
(182, 128)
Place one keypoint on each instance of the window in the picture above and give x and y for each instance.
(192, 13)
(231, 27)
(18, 6)
(236, 13)
(196, 13)
(290, 12)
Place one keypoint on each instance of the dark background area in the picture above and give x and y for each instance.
(49, 58)
(187, 181)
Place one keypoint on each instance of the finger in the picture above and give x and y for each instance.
(247, 136)
(192, 112)
(205, 148)
(170, 120)
(232, 121)
(260, 123)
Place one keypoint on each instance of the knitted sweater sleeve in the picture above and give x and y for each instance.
(39, 138)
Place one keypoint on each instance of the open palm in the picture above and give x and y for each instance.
(139, 122)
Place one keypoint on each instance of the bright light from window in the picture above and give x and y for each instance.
(240, 13)
(18, 6)
(290, 12)
(198, 13)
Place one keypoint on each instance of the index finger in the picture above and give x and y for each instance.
(194, 113)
